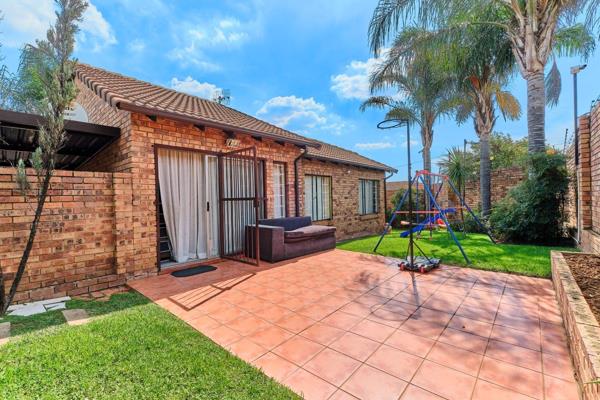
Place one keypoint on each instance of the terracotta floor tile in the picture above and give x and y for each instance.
(322, 333)
(557, 389)
(444, 302)
(270, 337)
(295, 322)
(522, 380)
(454, 357)
(248, 324)
(371, 299)
(410, 343)
(316, 311)
(426, 314)
(411, 297)
(355, 346)
(203, 323)
(373, 330)
(332, 366)
(357, 309)
(254, 304)
(428, 329)
(309, 386)
(370, 383)
(341, 320)
(464, 340)
(246, 349)
(413, 392)
(444, 381)
(223, 335)
(513, 336)
(558, 366)
(478, 328)
(293, 303)
(479, 314)
(272, 313)
(298, 350)
(228, 314)
(395, 362)
(521, 324)
(488, 391)
(341, 395)
(513, 354)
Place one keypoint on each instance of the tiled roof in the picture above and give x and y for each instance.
(135, 95)
(330, 152)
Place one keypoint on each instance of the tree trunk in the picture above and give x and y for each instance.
(32, 233)
(536, 108)
(485, 174)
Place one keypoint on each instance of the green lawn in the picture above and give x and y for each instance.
(119, 301)
(139, 353)
(521, 259)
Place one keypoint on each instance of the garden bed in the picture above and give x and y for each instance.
(577, 288)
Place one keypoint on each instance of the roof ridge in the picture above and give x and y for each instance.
(350, 151)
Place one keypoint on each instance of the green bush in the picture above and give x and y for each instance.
(470, 225)
(404, 217)
(532, 212)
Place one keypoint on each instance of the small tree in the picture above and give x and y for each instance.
(52, 70)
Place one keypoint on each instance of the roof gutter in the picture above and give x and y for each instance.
(183, 118)
(383, 168)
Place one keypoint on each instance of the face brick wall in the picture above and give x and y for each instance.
(588, 171)
(345, 215)
(83, 242)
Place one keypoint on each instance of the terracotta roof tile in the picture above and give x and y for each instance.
(133, 94)
(334, 153)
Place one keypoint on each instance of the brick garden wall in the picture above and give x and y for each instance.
(84, 241)
(589, 180)
(345, 215)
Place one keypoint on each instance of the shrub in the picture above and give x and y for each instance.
(532, 212)
(396, 199)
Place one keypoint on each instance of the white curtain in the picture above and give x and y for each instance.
(212, 191)
(181, 179)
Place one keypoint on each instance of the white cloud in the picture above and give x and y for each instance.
(136, 46)
(375, 145)
(302, 115)
(27, 20)
(195, 39)
(354, 82)
(96, 29)
(193, 87)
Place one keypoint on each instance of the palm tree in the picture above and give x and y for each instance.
(424, 96)
(538, 31)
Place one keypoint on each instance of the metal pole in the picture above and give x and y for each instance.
(410, 203)
(574, 71)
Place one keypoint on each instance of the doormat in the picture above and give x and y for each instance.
(182, 273)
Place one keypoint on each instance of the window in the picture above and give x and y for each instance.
(317, 197)
(368, 196)
(279, 192)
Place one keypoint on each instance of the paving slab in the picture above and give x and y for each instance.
(76, 316)
(347, 324)
(4, 332)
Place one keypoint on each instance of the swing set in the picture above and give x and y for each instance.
(434, 216)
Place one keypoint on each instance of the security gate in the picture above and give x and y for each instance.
(241, 199)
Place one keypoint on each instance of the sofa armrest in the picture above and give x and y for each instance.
(271, 243)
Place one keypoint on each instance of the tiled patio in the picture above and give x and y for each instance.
(343, 325)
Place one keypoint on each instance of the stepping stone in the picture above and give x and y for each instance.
(4, 332)
(77, 316)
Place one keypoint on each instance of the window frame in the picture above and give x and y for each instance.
(361, 199)
(330, 200)
(284, 188)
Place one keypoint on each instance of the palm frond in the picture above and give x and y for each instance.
(553, 85)
(575, 40)
(508, 104)
(377, 102)
(403, 113)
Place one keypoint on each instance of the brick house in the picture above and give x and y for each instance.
(105, 218)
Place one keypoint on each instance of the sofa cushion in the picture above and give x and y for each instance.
(308, 232)
(288, 224)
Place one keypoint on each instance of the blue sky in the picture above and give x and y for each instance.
(302, 65)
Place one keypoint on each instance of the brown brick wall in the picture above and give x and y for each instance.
(588, 171)
(83, 242)
(345, 215)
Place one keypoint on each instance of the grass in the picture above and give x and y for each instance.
(139, 353)
(521, 259)
(119, 301)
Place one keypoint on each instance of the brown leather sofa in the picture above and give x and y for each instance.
(285, 238)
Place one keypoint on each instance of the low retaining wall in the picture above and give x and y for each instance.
(85, 240)
(583, 330)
